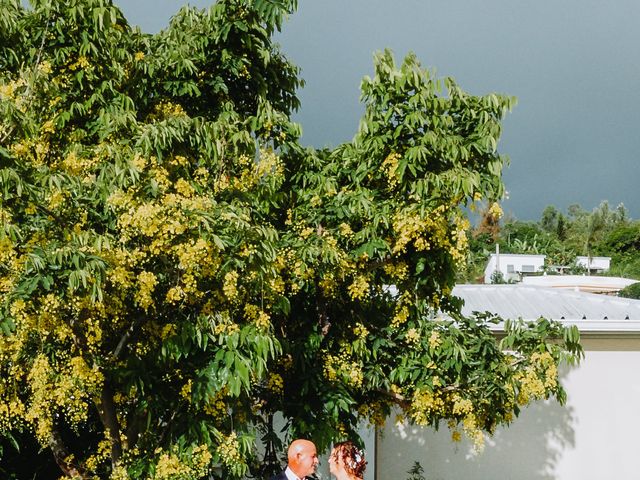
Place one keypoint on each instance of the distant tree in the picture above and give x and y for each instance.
(624, 238)
(621, 214)
(549, 219)
(561, 228)
(587, 230)
(622, 244)
(558, 254)
(575, 211)
(522, 235)
(632, 291)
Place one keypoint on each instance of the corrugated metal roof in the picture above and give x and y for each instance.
(587, 310)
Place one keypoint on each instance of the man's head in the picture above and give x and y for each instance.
(302, 458)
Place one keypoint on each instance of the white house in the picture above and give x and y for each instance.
(594, 264)
(513, 266)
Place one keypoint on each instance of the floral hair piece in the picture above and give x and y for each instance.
(352, 458)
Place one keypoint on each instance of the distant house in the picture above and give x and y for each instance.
(513, 266)
(594, 264)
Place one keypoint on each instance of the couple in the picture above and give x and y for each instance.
(346, 461)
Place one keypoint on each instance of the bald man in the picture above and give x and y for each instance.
(302, 461)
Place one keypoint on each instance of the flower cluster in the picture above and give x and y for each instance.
(229, 450)
(390, 167)
(495, 210)
(275, 383)
(359, 289)
(259, 317)
(342, 368)
(360, 331)
(216, 405)
(538, 379)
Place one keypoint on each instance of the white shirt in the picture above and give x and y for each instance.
(290, 475)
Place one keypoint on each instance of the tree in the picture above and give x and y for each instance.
(631, 291)
(550, 218)
(622, 243)
(588, 230)
(175, 268)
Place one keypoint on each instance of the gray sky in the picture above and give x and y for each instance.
(574, 66)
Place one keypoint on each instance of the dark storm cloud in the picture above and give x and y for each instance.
(572, 138)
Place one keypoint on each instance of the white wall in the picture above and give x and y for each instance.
(595, 263)
(593, 437)
(517, 261)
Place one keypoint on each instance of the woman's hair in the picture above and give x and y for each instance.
(352, 458)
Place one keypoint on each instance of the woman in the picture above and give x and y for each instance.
(347, 462)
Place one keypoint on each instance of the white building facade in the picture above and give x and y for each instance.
(594, 264)
(592, 437)
(513, 266)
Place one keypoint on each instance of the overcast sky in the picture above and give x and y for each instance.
(574, 66)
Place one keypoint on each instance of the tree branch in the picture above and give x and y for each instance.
(125, 338)
(63, 457)
(109, 418)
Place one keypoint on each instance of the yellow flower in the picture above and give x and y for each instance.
(390, 166)
(229, 450)
(401, 316)
(138, 56)
(48, 127)
(412, 336)
(185, 392)
(275, 384)
(306, 232)
(168, 330)
(461, 406)
(495, 210)
(434, 340)
(8, 90)
(146, 285)
(360, 331)
(230, 286)
(359, 289)
(45, 67)
(81, 63)
(345, 230)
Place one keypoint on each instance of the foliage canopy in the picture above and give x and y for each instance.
(175, 267)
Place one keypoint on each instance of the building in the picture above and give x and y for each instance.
(592, 437)
(594, 264)
(513, 266)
